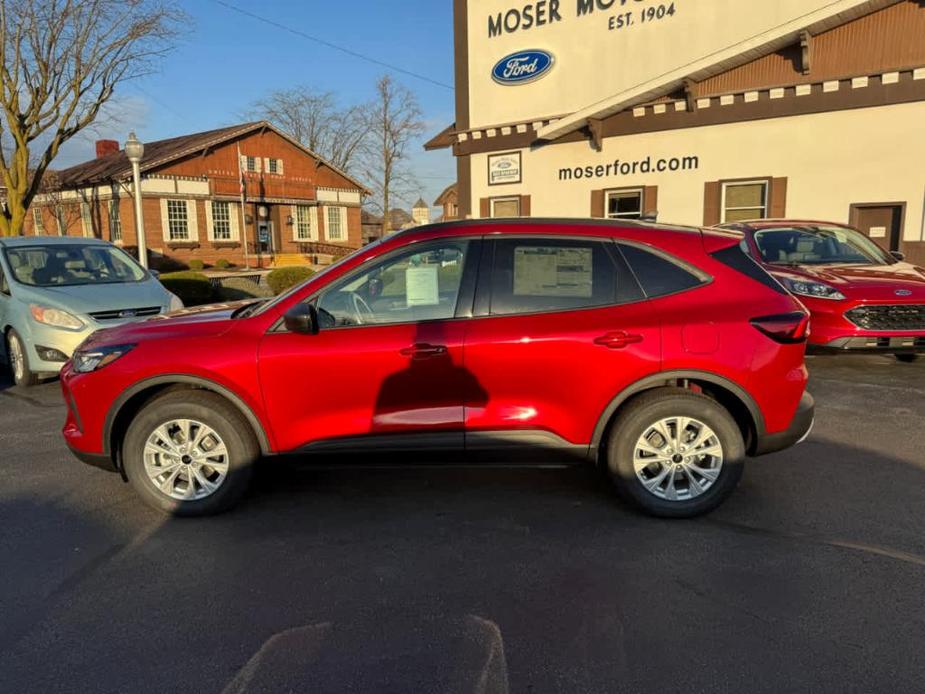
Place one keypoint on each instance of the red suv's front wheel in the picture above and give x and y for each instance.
(189, 453)
(675, 453)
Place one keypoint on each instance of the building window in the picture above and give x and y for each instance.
(274, 166)
(221, 221)
(335, 223)
(744, 200)
(505, 207)
(39, 222)
(303, 223)
(177, 221)
(115, 221)
(86, 221)
(61, 219)
(624, 204)
(250, 163)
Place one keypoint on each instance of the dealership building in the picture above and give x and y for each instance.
(697, 111)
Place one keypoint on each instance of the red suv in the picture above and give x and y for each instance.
(663, 353)
(861, 298)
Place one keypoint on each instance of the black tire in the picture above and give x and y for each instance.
(211, 410)
(647, 409)
(906, 358)
(26, 377)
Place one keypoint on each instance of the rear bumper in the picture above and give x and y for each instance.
(799, 429)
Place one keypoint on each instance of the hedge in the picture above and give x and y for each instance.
(193, 288)
(196, 264)
(239, 288)
(282, 278)
(222, 264)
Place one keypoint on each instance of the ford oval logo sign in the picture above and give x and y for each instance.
(903, 292)
(522, 67)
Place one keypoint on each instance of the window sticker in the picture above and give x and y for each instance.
(422, 286)
(552, 271)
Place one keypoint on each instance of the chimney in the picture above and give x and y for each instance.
(106, 147)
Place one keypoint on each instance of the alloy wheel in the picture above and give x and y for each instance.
(186, 459)
(17, 361)
(678, 458)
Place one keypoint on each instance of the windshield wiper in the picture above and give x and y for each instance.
(247, 309)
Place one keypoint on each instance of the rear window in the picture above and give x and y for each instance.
(736, 258)
(658, 275)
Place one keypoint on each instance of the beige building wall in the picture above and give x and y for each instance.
(595, 60)
(831, 160)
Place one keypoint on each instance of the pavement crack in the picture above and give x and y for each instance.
(808, 538)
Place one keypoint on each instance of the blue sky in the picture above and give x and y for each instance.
(226, 61)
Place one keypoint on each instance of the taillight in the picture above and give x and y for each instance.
(787, 328)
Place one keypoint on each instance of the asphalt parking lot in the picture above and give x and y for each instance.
(477, 580)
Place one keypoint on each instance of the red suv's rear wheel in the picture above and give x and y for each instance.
(675, 453)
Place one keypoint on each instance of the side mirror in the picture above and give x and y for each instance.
(302, 319)
(898, 255)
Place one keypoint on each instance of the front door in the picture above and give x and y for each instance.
(881, 222)
(386, 366)
(564, 330)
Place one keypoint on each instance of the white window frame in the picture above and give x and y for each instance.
(192, 222)
(60, 220)
(115, 221)
(37, 221)
(732, 184)
(508, 198)
(270, 163)
(298, 223)
(86, 219)
(623, 191)
(232, 220)
(341, 220)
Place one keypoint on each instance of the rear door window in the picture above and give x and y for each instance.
(660, 274)
(531, 275)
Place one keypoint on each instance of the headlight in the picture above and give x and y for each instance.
(175, 302)
(816, 290)
(55, 317)
(85, 361)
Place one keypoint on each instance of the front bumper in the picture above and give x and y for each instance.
(65, 341)
(799, 430)
(872, 345)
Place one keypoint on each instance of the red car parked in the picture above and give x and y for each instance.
(663, 353)
(861, 298)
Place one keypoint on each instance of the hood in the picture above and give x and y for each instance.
(196, 322)
(868, 282)
(90, 298)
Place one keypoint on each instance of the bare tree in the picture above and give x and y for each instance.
(392, 121)
(62, 60)
(317, 121)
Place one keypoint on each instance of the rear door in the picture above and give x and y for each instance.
(560, 328)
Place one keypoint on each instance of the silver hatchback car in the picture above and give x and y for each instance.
(56, 291)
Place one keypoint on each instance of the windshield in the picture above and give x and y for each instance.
(71, 265)
(817, 245)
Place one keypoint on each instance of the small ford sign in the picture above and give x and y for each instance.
(522, 67)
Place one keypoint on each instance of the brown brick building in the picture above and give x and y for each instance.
(296, 204)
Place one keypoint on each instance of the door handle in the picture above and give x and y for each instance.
(618, 339)
(422, 350)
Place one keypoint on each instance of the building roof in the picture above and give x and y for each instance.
(421, 205)
(443, 198)
(836, 13)
(116, 166)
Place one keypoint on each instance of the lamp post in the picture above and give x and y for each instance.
(135, 150)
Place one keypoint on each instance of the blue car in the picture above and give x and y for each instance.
(56, 291)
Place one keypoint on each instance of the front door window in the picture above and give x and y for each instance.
(421, 285)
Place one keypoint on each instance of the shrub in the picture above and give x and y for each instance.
(196, 265)
(222, 264)
(282, 278)
(238, 288)
(193, 288)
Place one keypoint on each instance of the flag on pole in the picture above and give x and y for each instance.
(243, 191)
